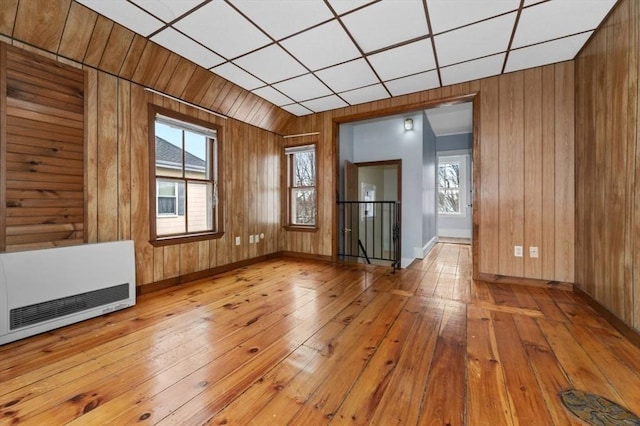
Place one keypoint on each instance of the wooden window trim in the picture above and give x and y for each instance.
(286, 191)
(161, 241)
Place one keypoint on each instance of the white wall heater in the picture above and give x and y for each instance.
(45, 289)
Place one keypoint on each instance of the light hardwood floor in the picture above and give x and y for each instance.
(301, 342)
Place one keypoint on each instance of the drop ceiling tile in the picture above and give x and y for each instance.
(167, 10)
(272, 95)
(475, 41)
(281, 18)
(530, 2)
(238, 76)
(303, 88)
(446, 14)
(404, 60)
(231, 36)
(472, 70)
(184, 46)
(126, 14)
(322, 46)
(414, 83)
(348, 76)
(365, 94)
(325, 104)
(559, 19)
(344, 6)
(388, 23)
(563, 49)
(271, 64)
(297, 109)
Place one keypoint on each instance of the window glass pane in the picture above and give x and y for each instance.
(303, 206)
(304, 173)
(449, 201)
(168, 150)
(166, 188)
(196, 156)
(200, 206)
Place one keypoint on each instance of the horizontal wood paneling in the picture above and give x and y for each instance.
(43, 170)
(608, 166)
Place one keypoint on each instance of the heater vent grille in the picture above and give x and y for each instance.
(44, 311)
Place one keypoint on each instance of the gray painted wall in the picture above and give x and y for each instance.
(454, 142)
(429, 209)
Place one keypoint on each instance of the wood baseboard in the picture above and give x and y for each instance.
(307, 256)
(630, 333)
(170, 282)
(494, 278)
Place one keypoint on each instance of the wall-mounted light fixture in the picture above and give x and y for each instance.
(408, 124)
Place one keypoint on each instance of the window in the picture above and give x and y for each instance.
(301, 184)
(186, 200)
(451, 184)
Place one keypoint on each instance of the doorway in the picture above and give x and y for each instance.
(454, 192)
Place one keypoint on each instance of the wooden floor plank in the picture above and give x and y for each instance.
(307, 342)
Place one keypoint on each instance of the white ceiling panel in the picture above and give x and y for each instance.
(559, 18)
(405, 60)
(327, 52)
(563, 49)
(472, 70)
(475, 41)
(303, 88)
(238, 76)
(173, 40)
(281, 18)
(348, 76)
(325, 104)
(272, 95)
(322, 46)
(167, 10)
(126, 14)
(365, 94)
(344, 6)
(401, 21)
(231, 36)
(446, 14)
(271, 64)
(297, 109)
(413, 83)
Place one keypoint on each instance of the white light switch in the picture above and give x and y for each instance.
(517, 251)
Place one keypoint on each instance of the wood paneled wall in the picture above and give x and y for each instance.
(526, 159)
(608, 165)
(69, 31)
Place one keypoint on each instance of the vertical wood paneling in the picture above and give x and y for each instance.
(548, 243)
(607, 156)
(77, 32)
(91, 155)
(8, 16)
(124, 160)
(107, 158)
(116, 49)
(41, 22)
(98, 42)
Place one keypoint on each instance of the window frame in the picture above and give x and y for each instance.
(288, 189)
(461, 161)
(216, 170)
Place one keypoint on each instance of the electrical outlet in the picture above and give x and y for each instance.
(533, 251)
(238, 241)
(517, 251)
(251, 239)
(262, 235)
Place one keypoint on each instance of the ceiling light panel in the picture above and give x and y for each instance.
(344, 6)
(348, 76)
(297, 109)
(238, 76)
(472, 70)
(475, 41)
(271, 64)
(272, 95)
(559, 19)
(322, 46)
(303, 88)
(388, 23)
(184, 46)
(446, 14)
(404, 60)
(325, 104)
(281, 18)
(563, 49)
(126, 14)
(365, 94)
(167, 10)
(413, 83)
(231, 36)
